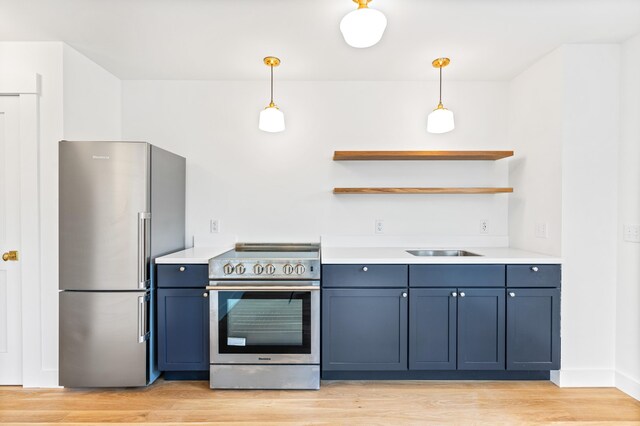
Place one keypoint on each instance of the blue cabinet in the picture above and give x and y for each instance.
(183, 338)
(364, 329)
(457, 321)
(183, 321)
(457, 328)
(533, 329)
(433, 314)
(481, 329)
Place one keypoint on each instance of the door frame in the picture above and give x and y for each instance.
(27, 87)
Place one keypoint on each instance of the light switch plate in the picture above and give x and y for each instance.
(542, 230)
(631, 233)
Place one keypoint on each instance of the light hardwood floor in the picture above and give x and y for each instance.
(339, 402)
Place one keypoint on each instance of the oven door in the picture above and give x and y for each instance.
(265, 322)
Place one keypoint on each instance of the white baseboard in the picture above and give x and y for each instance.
(43, 379)
(628, 385)
(584, 378)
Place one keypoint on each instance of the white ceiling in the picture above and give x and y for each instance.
(227, 39)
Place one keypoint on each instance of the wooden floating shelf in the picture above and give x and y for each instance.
(421, 190)
(420, 155)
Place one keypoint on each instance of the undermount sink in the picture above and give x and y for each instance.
(442, 253)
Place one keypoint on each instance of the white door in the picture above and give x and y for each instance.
(10, 291)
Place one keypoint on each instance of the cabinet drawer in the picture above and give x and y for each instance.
(188, 275)
(456, 275)
(533, 275)
(364, 275)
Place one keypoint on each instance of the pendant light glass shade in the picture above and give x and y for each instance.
(271, 118)
(363, 27)
(441, 119)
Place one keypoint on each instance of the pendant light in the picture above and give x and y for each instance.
(271, 118)
(441, 119)
(363, 27)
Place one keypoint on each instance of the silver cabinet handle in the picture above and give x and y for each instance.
(534, 268)
(182, 269)
(205, 294)
(454, 294)
(462, 294)
(512, 294)
(143, 231)
(404, 294)
(143, 325)
(365, 269)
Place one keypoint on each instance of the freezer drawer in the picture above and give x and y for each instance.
(104, 339)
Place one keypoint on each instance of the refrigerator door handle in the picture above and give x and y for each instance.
(143, 243)
(143, 324)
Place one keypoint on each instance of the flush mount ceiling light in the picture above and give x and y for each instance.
(363, 27)
(271, 118)
(441, 119)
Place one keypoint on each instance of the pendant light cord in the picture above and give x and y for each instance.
(271, 84)
(440, 102)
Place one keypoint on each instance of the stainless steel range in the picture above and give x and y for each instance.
(265, 317)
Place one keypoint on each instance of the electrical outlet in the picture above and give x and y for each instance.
(214, 226)
(632, 233)
(379, 226)
(484, 226)
(541, 230)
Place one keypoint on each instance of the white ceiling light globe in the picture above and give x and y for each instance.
(271, 120)
(363, 27)
(440, 121)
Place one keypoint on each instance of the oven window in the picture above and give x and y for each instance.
(264, 322)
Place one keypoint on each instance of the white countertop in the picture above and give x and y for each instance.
(398, 255)
(192, 255)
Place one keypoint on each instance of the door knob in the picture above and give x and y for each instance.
(10, 256)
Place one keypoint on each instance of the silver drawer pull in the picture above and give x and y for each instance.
(512, 294)
(462, 294)
(264, 288)
(205, 294)
(404, 294)
(182, 269)
(365, 269)
(454, 294)
(534, 268)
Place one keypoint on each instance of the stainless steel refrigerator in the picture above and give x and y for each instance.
(121, 205)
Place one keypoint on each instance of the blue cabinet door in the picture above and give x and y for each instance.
(481, 329)
(533, 329)
(432, 329)
(183, 330)
(364, 329)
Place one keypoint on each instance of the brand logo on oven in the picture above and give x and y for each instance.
(264, 359)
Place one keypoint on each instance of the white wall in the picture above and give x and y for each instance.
(565, 121)
(628, 292)
(79, 100)
(535, 124)
(92, 99)
(589, 213)
(278, 186)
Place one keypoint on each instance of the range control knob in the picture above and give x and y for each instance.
(288, 269)
(270, 269)
(258, 269)
(300, 269)
(240, 269)
(228, 269)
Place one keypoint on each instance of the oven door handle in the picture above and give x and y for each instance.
(263, 288)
